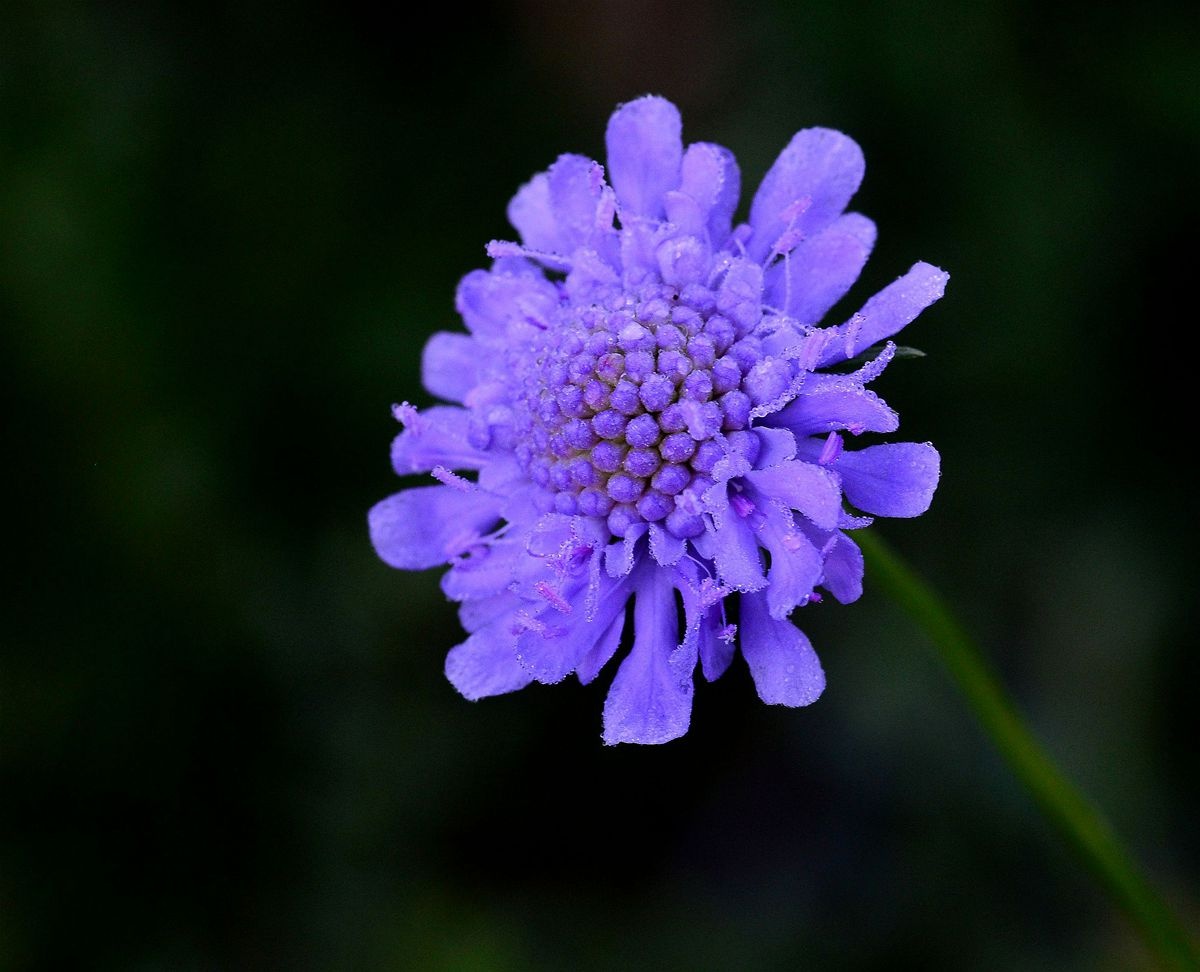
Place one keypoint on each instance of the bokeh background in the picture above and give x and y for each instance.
(225, 737)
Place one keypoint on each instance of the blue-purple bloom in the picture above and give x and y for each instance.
(648, 405)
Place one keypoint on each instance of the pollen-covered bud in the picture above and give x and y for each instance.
(579, 434)
(621, 518)
(721, 332)
(625, 399)
(674, 364)
(671, 478)
(698, 386)
(657, 392)
(735, 407)
(609, 424)
(595, 394)
(642, 431)
(593, 502)
(677, 447)
(610, 366)
(607, 456)
(673, 418)
(654, 506)
(700, 349)
(583, 473)
(624, 488)
(726, 375)
(641, 462)
(639, 365)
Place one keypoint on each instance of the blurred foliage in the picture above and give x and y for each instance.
(225, 739)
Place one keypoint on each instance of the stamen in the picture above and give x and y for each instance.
(406, 415)
(812, 348)
(742, 505)
(451, 479)
(794, 210)
(831, 450)
(710, 593)
(553, 597)
(497, 249)
(791, 234)
(785, 244)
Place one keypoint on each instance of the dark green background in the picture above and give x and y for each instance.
(225, 737)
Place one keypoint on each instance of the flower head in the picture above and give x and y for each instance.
(647, 405)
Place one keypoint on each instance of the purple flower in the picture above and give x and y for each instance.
(647, 405)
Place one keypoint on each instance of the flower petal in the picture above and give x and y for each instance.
(619, 556)
(801, 486)
(685, 214)
(833, 410)
(716, 652)
(844, 570)
(795, 565)
(889, 311)
(478, 613)
(819, 272)
(488, 572)
(776, 446)
(532, 215)
(665, 548)
(709, 174)
(786, 670)
(600, 653)
(704, 618)
(486, 664)
(896, 479)
(502, 305)
(644, 154)
(734, 548)
(437, 437)
(426, 526)
(558, 643)
(650, 701)
(450, 365)
(576, 190)
(806, 189)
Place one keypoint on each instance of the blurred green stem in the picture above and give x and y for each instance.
(1080, 822)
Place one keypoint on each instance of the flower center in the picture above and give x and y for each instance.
(620, 404)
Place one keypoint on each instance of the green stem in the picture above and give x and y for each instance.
(1081, 824)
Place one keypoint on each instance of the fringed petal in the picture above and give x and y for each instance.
(486, 664)
(650, 700)
(428, 525)
(785, 668)
(451, 365)
(644, 155)
(885, 314)
(805, 190)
